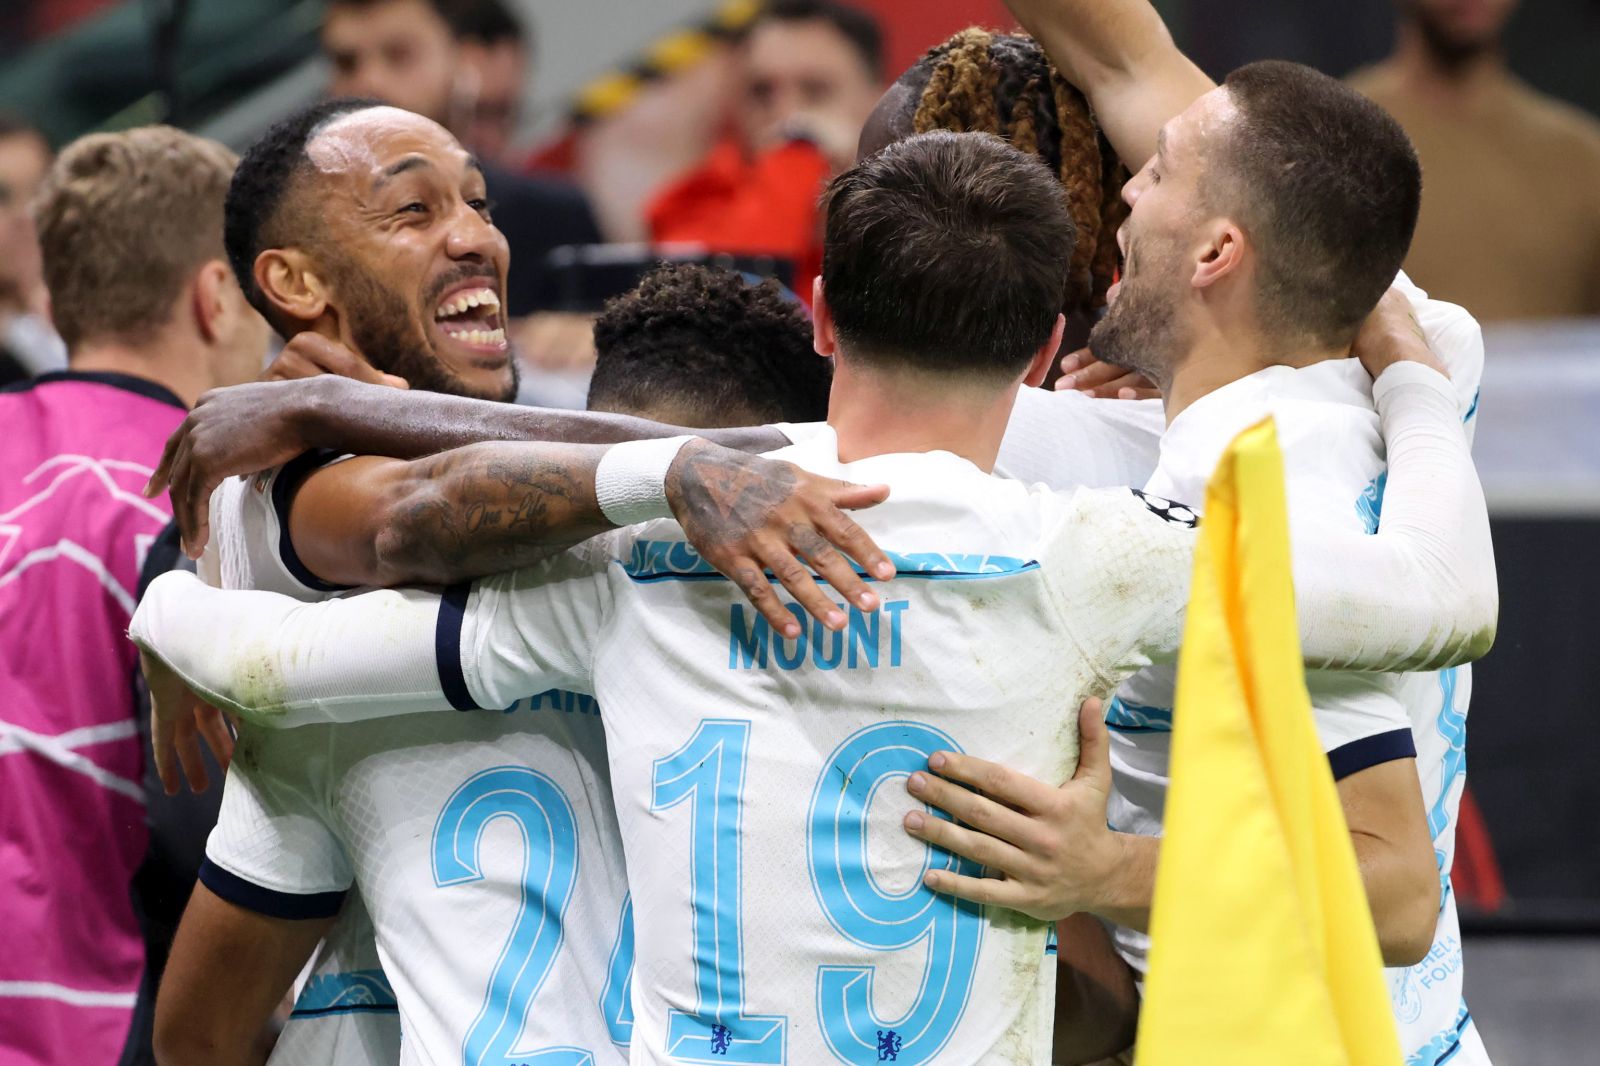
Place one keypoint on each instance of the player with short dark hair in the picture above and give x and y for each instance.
(697, 346)
(1272, 210)
(978, 280)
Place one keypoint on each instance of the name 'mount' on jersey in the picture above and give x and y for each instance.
(779, 911)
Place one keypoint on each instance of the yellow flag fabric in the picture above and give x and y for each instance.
(1263, 951)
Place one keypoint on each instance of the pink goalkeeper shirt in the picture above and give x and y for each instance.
(75, 449)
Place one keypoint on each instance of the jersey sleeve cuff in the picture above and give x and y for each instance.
(272, 902)
(1369, 751)
(447, 647)
(1409, 373)
(284, 483)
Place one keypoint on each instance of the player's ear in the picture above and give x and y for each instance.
(1221, 255)
(1045, 357)
(208, 296)
(823, 338)
(291, 283)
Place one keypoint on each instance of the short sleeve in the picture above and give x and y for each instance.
(250, 527)
(503, 637)
(272, 850)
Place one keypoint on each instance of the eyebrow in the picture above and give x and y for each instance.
(394, 170)
(415, 162)
(1161, 142)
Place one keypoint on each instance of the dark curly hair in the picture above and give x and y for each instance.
(706, 348)
(256, 198)
(1004, 84)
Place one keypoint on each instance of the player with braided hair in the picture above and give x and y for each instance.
(983, 82)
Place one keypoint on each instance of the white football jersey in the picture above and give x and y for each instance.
(485, 846)
(1334, 462)
(760, 781)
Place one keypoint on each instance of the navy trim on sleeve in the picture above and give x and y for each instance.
(269, 901)
(1358, 755)
(283, 487)
(447, 646)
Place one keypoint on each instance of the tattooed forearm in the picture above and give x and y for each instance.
(488, 508)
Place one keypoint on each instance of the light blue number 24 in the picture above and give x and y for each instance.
(550, 865)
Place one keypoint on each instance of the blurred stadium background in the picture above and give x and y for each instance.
(1531, 889)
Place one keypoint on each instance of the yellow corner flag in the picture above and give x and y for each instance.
(1262, 947)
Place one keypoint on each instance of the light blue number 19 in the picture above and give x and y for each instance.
(864, 913)
(549, 866)
(708, 773)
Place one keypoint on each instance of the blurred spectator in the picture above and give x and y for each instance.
(130, 228)
(28, 343)
(1510, 223)
(812, 73)
(407, 53)
(494, 58)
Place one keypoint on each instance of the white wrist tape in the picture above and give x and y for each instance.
(630, 483)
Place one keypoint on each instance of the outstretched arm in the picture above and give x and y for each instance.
(249, 428)
(1120, 54)
(489, 508)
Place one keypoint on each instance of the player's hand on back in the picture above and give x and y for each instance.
(1082, 372)
(1047, 848)
(747, 515)
(1391, 334)
(179, 720)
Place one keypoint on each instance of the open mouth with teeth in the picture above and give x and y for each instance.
(472, 317)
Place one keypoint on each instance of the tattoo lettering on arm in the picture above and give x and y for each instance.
(488, 508)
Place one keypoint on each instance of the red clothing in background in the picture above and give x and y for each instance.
(761, 206)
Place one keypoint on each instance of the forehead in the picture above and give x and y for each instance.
(353, 24)
(1200, 124)
(363, 143)
(784, 45)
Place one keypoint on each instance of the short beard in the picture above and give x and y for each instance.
(386, 335)
(1139, 332)
(1449, 51)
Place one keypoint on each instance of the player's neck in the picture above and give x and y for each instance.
(1216, 359)
(175, 366)
(1443, 80)
(883, 412)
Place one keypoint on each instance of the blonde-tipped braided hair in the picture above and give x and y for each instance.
(982, 82)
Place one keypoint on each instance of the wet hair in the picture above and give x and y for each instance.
(946, 252)
(1328, 185)
(258, 198)
(1004, 84)
(855, 25)
(705, 347)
